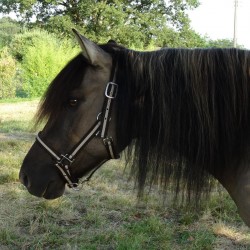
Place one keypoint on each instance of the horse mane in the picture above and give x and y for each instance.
(182, 113)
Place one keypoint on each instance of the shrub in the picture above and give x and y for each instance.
(8, 28)
(21, 42)
(7, 74)
(42, 56)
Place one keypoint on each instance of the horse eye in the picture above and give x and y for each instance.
(73, 102)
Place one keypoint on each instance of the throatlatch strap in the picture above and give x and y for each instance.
(109, 144)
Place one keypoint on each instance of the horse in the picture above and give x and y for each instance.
(181, 118)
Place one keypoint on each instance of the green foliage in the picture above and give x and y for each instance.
(220, 43)
(60, 25)
(7, 74)
(21, 42)
(185, 38)
(190, 39)
(8, 28)
(42, 56)
(132, 23)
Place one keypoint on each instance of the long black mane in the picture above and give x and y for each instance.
(182, 113)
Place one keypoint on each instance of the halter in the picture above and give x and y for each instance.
(99, 129)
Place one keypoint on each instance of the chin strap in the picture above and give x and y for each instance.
(99, 129)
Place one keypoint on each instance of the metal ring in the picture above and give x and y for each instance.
(98, 116)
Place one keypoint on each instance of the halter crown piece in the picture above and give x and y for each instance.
(99, 129)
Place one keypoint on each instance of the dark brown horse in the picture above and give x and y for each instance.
(182, 115)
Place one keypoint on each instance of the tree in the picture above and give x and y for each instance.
(137, 23)
(220, 43)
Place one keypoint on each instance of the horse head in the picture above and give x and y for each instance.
(79, 133)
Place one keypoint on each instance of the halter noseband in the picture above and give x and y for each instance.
(99, 129)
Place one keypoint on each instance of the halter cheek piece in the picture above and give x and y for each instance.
(99, 129)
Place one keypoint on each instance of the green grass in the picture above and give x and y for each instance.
(13, 126)
(105, 214)
(18, 100)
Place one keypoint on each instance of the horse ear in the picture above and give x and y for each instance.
(93, 53)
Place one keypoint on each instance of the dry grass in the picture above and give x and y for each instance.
(16, 120)
(22, 111)
(105, 214)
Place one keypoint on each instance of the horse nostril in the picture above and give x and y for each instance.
(25, 181)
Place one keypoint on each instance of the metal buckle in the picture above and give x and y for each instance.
(74, 186)
(108, 91)
(107, 140)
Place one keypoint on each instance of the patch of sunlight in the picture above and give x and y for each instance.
(240, 235)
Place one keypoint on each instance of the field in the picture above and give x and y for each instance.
(105, 214)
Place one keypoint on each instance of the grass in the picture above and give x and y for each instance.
(18, 100)
(105, 214)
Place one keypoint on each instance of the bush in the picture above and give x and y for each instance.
(42, 55)
(7, 74)
(8, 28)
(21, 42)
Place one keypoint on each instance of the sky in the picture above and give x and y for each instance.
(215, 18)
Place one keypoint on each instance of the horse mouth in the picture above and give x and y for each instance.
(50, 190)
(50, 193)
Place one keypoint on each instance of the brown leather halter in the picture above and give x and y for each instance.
(99, 129)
